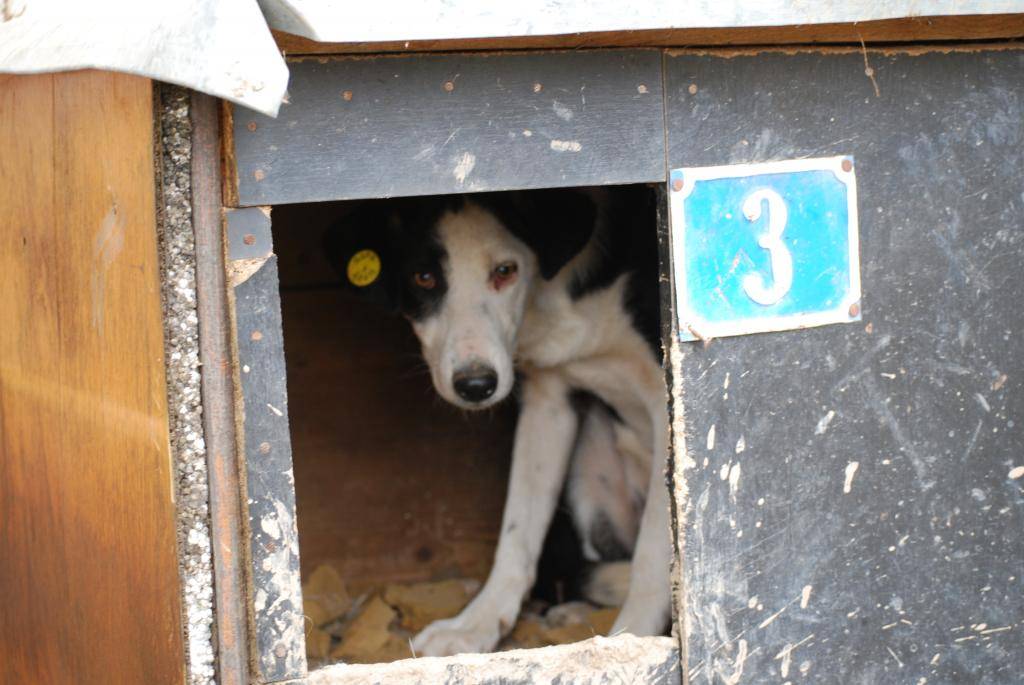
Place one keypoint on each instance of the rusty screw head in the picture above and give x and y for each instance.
(251, 126)
(280, 651)
(537, 87)
(449, 86)
(847, 165)
(677, 184)
(264, 448)
(347, 96)
(256, 335)
(855, 309)
(259, 174)
(249, 239)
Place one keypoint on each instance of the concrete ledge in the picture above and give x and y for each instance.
(622, 659)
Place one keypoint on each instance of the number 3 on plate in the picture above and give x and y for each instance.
(781, 260)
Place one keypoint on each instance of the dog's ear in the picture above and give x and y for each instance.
(362, 248)
(556, 223)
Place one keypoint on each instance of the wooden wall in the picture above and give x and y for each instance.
(89, 588)
(875, 535)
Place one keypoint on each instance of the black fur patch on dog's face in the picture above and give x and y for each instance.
(423, 257)
(555, 224)
(402, 233)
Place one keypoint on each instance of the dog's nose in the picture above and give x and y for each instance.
(475, 383)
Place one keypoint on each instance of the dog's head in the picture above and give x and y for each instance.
(462, 269)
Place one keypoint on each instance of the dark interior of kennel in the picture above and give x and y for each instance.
(393, 484)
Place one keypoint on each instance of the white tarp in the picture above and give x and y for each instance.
(359, 21)
(220, 47)
(224, 47)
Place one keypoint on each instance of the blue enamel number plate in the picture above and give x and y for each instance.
(765, 247)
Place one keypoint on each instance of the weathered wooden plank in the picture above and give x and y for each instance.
(226, 527)
(269, 487)
(855, 501)
(676, 457)
(904, 30)
(390, 126)
(88, 555)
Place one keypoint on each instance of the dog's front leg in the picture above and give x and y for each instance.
(543, 443)
(649, 601)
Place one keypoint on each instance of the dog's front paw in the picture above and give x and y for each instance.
(472, 631)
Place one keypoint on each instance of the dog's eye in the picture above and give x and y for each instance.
(503, 272)
(505, 269)
(424, 279)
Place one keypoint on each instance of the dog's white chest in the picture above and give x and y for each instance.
(593, 344)
(557, 329)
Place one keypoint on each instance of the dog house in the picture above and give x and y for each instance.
(846, 498)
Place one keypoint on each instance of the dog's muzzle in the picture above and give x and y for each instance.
(475, 383)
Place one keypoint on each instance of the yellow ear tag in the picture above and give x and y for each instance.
(363, 268)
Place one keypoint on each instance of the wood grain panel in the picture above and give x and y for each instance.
(215, 354)
(88, 571)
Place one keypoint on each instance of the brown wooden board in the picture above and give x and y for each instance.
(909, 29)
(215, 355)
(392, 484)
(855, 491)
(432, 124)
(88, 571)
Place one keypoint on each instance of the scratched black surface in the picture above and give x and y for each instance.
(276, 610)
(914, 575)
(509, 121)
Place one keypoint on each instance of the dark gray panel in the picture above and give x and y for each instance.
(425, 124)
(280, 651)
(855, 519)
(248, 237)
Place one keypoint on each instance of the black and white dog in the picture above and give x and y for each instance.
(553, 292)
